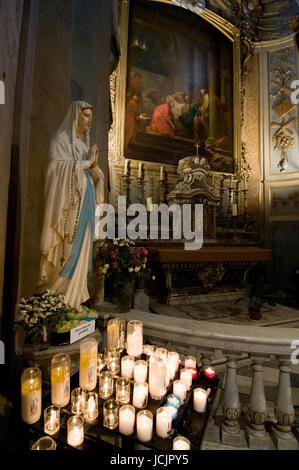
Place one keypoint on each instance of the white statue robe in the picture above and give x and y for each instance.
(65, 188)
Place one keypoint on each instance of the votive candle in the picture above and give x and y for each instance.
(200, 399)
(140, 395)
(163, 423)
(210, 373)
(75, 430)
(179, 389)
(134, 338)
(126, 420)
(60, 379)
(122, 390)
(110, 414)
(91, 409)
(144, 426)
(88, 363)
(127, 366)
(78, 398)
(140, 371)
(190, 361)
(31, 395)
(186, 378)
(105, 384)
(181, 443)
(51, 420)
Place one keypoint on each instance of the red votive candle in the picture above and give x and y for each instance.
(194, 372)
(210, 373)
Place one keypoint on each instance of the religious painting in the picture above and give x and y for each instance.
(179, 93)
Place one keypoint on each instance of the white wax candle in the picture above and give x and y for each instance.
(31, 398)
(186, 378)
(144, 428)
(161, 173)
(173, 363)
(179, 389)
(163, 424)
(52, 424)
(126, 168)
(88, 368)
(149, 204)
(140, 395)
(139, 170)
(135, 343)
(200, 400)
(127, 367)
(190, 361)
(140, 372)
(235, 210)
(126, 421)
(75, 437)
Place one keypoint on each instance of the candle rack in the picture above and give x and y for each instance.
(188, 423)
(140, 189)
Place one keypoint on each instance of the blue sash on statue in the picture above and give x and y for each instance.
(87, 216)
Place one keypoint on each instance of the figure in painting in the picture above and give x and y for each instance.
(74, 183)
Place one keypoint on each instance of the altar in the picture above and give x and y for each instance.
(187, 274)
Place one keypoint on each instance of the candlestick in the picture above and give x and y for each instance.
(88, 363)
(105, 384)
(91, 410)
(163, 423)
(134, 338)
(78, 398)
(179, 389)
(60, 379)
(144, 426)
(181, 443)
(186, 378)
(126, 420)
(140, 371)
(110, 414)
(31, 395)
(140, 395)
(122, 390)
(75, 431)
(161, 173)
(127, 366)
(51, 420)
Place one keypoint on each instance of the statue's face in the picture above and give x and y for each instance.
(84, 121)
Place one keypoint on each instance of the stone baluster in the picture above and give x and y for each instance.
(230, 428)
(257, 409)
(284, 410)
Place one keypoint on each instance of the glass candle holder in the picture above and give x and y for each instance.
(157, 377)
(163, 423)
(113, 361)
(200, 397)
(52, 420)
(163, 354)
(112, 333)
(127, 366)
(31, 395)
(140, 371)
(173, 363)
(110, 414)
(134, 338)
(60, 379)
(181, 443)
(88, 363)
(44, 443)
(194, 372)
(122, 390)
(210, 373)
(179, 389)
(101, 362)
(148, 350)
(174, 400)
(105, 384)
(140, 395)
(186, 378)
(78, 398)
(190, 361)
(126, 420)
(122, 335)
(75, 431)
(144, 425)
(91, 409)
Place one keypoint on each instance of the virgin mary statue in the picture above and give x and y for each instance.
(74, 184)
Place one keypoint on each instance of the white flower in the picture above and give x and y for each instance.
(144, 266)
(130, 270)
(137, 269)
(106, 266)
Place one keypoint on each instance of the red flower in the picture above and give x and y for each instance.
(114, 265)
(144, 251)
(112, 255)
(136, 251)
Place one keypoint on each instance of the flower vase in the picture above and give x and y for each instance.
(39, 342)
(124, 294)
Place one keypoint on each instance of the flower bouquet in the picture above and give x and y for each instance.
(39, 313)
(123, 263)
